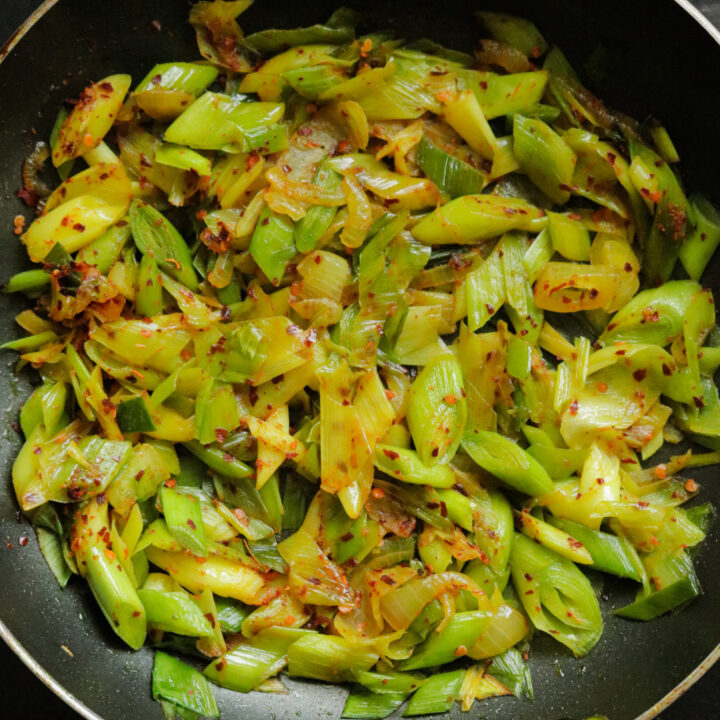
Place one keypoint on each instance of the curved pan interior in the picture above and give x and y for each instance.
(660, 61)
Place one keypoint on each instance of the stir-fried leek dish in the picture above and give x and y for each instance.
(361, 359)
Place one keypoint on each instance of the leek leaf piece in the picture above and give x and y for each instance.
(505, 94)
(148, 288)
(220, 122)
(89, 121)
(27, 281)
(562, 601)
(272, 245)
(192, 78)
(610, 553)
(182, 685)
(183, 158)
(133, 416)
(184, 519)
(553, 538)
(174, 612)
(441, 647)
(404, 464)
(437, 694)
(339, 29)
(363, 703)
(666, 305)
(389, 682)
(513, 672)
(516, 31)
(452, 175)
(105, 251)
(676, 584)
(224, 577)
(255, 659)
(64, 170)
(328, 658)
(156, 236)
(437, 410)
(472, 218)
(507, 461)
(545, 156)
(701, 243)
(310, 228)
(50, 544)
(231, 614)
(219, 460)
(569, 237)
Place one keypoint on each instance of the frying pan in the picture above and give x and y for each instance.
(659, 59)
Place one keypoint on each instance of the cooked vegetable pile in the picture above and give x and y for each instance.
(354, 356)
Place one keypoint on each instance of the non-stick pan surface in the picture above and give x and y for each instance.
(661, 60)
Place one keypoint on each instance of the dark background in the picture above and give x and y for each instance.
(26, 698)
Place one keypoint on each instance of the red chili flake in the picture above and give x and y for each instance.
(171, 483)
(23, 540)
(435, 452)
(666, 369)
(639, 375)
(573, 543)
(388, 580)
(378, 493)
(690, 485)
(79, 227)
(28, 197)
(191, 524)
(699, 402)
(443, 509)
(391, 454)
(155, 26)
(265, 221)
(628, 461)
(221, 435)
(139, 475)
(461, 650)
(594, 292)
(628, 267)
(314, 581)
(528, 577)
(660, 472)
(459, 488)
(574, 407)
(347, 537)
(529, 592)
(304, 131)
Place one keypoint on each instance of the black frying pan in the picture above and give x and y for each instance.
(664, 62)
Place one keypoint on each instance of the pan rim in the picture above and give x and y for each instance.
(66, 696)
